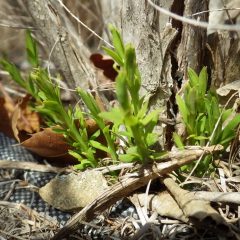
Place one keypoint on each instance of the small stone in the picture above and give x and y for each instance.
(74, 191)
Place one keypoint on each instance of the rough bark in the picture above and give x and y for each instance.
(223, 46)
(69, 56)
(152, 35)
(190, 52)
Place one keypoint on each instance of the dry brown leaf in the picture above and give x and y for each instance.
(27, 120)
(164, 204)
(6, 108)
(105, 63)
(47, 143)
(17, 119)
(15, 116)
(230, 87)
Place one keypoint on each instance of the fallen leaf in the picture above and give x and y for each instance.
(92, 126)
(105, 63)
(72, 192)
(24, 119)
(15, 116)
(30, 120)
(46, 143)
(164, 204)
(225, 90)
(5, 117)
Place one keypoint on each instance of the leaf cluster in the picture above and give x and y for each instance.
(47, 101)
(131, 120)
(204, 119)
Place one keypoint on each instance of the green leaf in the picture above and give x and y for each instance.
(130, 64)
(90, 102)
(117, 41)
(131, 120)
(131, 155)
(151, 139)
(32, 52)
(121, 90)
(203, 81)
(191, 101)
(215, 109)
(210, 120)
(114, 56)
(31, 87)
(128, 158)
(200, 137)
(14, 72)
(127, 134)
(201, 125)
(178, 141)
(182, 108)
(42, 95)
(114, 115)
(59, 130)
(84, 164)
(193, 78)
(229, 130)
(78, 113)
(226, 114)
(159, 155)
(99, 146)
(144, 107)
(95, 135)
(152, 116)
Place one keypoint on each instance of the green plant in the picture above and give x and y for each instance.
(204, 119)
(94, 112)
(132, 113)
(32, 55)
(69, 122)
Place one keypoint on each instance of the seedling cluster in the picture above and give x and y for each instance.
(206, 122)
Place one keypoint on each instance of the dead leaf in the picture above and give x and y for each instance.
(24, 119)
(5, 117)
(72, 192)
(92, 126)
(46, 143)
(30, 120)
(225, 90)
(105, 63)
(15, 116)
(164, 204)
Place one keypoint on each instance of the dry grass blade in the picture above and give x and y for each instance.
(8, 164)
(128, 185)
(20, 222)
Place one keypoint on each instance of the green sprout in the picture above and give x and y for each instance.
(206, 122)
